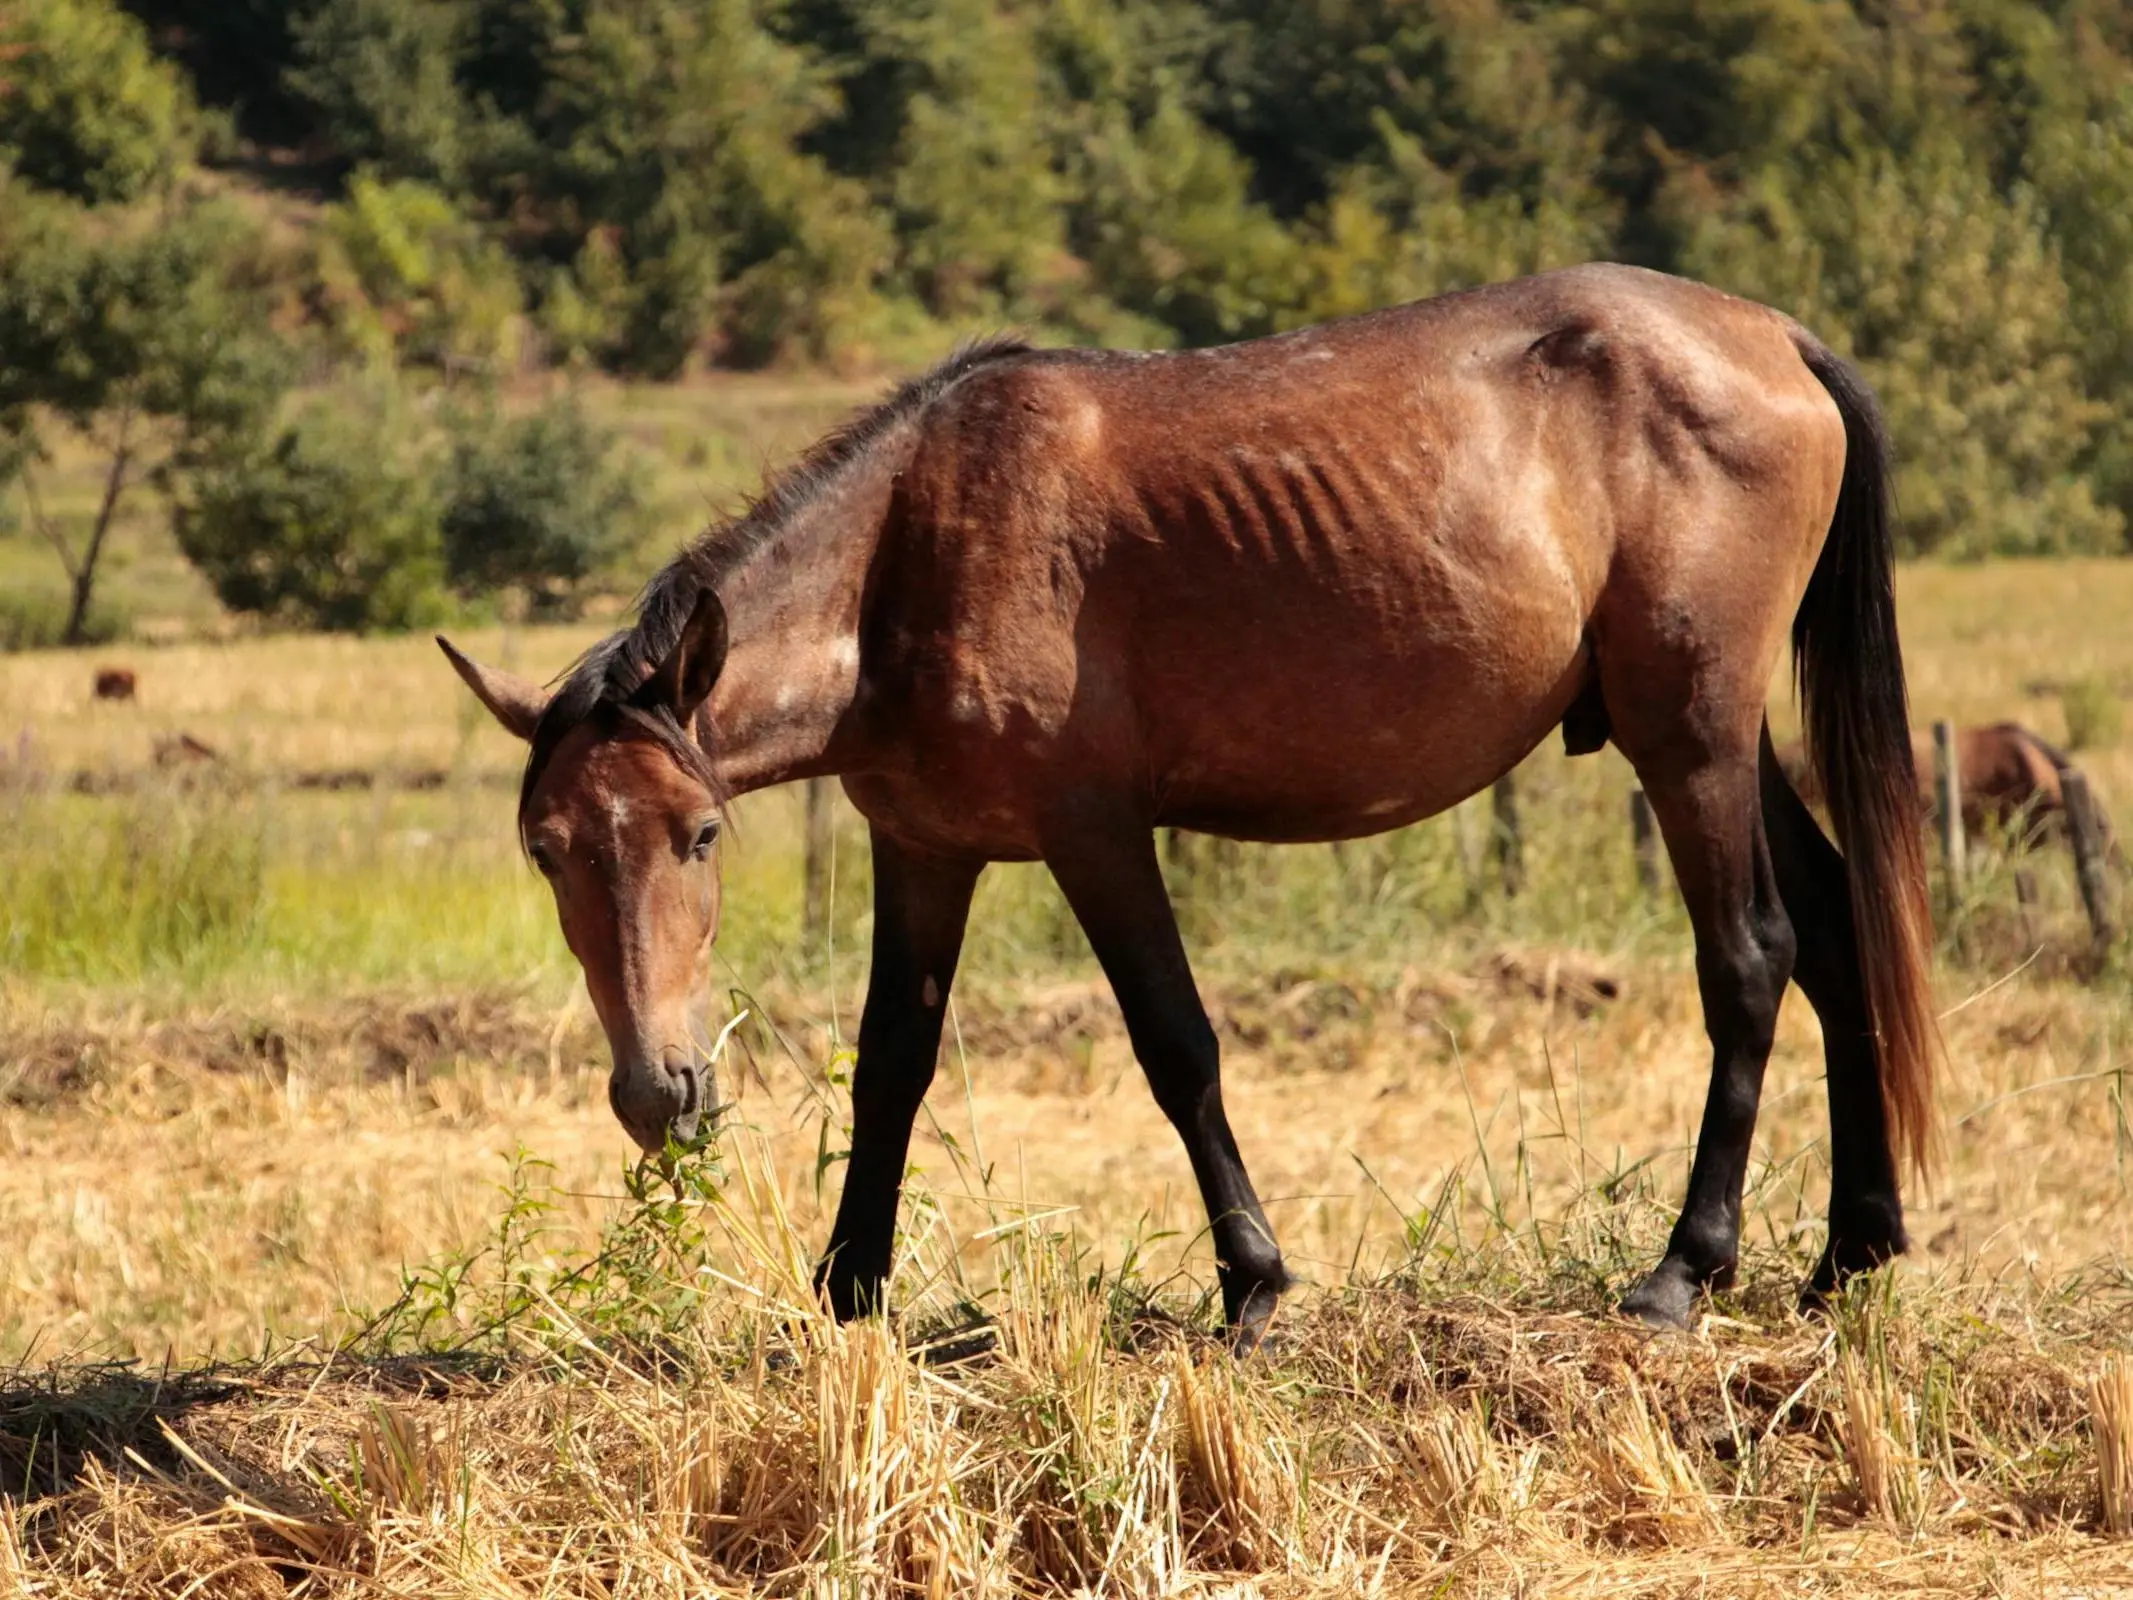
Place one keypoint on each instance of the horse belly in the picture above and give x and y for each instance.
(1337, 714)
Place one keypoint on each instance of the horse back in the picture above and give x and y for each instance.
(1343, 577)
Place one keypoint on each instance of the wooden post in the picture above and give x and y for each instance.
(1644, 835)
(2086, 835)
(816, 907)
(1472, 857)
(1510, 857)
(1948, 796)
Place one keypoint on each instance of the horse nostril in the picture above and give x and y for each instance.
(685, 1079)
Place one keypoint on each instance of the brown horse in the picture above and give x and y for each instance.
(2010, 779)
(1039, 603)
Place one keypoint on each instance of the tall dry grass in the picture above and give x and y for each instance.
(1467, 1426)
(326, 1274)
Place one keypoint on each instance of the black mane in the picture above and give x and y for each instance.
(603, 680)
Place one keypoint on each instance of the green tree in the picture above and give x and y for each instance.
(945, 117)
(2083, 171)
(676, 134)
(1942, 189)
(1952, 299)
(1159, 205)
(380, 76)
(535, 504)
(141, 337)
(85, 107)
(333, 522)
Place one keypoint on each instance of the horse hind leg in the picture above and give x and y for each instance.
(1865, 1212)
(1709, 812)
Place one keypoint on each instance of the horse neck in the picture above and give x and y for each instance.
(779, 711)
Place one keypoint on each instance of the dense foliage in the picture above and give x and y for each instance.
(86, 108)
(331, 521)
(534, 501)
(1943, 190)
(358, 513)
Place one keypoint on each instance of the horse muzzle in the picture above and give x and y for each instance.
(654, 1098)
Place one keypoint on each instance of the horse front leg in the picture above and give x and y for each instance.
(921, 905)
(1103, 857)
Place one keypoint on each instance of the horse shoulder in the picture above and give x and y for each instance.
(970, 612)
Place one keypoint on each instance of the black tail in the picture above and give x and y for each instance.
(1850, 668)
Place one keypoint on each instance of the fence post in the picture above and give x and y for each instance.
(2086, 835)
(1948, 796)
(1466, 837)
(1644, 834)
(1510, 855)
(815, 906)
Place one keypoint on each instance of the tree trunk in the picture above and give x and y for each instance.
(84, 572)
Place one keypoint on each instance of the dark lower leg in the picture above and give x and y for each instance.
(1865, 1211)
(1248, 1264)
(1107, 870)
(1744, 954)
(920, 907)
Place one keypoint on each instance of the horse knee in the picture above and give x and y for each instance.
(891, 1079)
(1183, 1063)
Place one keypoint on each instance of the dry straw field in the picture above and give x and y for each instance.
(325, 1272)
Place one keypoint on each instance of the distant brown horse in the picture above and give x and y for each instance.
(1039, 603)
(2010, 778)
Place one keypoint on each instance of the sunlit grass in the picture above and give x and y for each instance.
(265, 1052)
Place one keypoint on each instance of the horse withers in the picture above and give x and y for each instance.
(1312, 587)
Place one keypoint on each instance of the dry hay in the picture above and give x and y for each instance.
(1472, 1425)
(49, 1058)
(1932, 1438)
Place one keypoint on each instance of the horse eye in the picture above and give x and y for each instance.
(706, 837)
(543, 858)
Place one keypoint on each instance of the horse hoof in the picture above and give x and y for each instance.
(1248, 1327)
(1844, 1259)
(1665, 1300)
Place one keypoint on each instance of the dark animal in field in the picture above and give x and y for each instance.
(2010, 778)
(115, 683)
(183, 750)
(1040, 603)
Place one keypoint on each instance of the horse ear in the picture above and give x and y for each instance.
(684, 681)
(511, 700)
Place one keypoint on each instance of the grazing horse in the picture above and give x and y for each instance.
(1041, 602)
(2009, 777)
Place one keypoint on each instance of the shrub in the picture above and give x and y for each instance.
(404, 272)
(379, 75)
(535, 504)
(332, 523)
